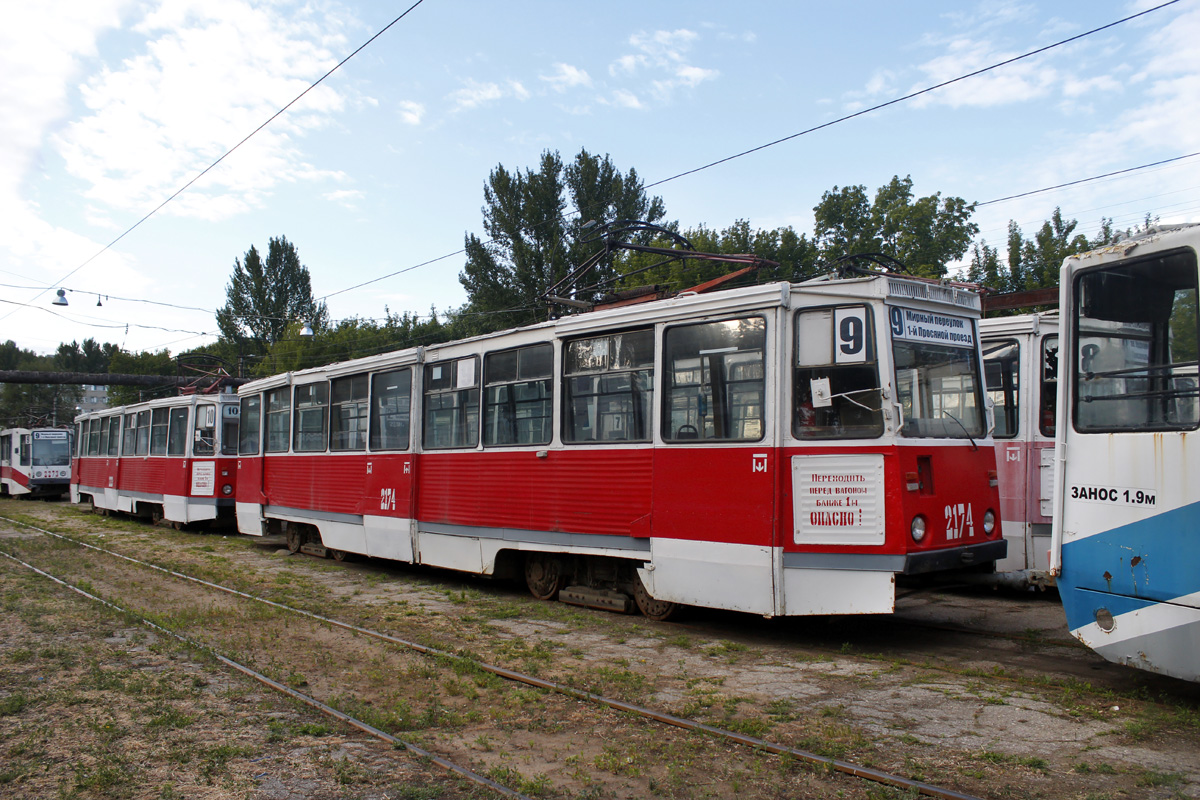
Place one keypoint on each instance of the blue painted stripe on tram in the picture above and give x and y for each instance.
(1166, 549)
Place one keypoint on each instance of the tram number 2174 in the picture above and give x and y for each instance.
(959, 520)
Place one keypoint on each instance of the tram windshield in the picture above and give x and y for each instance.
(51, 452)
(937, 374)
(1137, 337)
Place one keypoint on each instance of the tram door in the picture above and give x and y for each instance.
(715, 472)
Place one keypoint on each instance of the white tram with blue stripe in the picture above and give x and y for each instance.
(1127, 489)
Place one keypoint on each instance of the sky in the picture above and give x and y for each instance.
(110, 107)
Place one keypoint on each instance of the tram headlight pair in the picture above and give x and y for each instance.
(918, 528)
(989, 522)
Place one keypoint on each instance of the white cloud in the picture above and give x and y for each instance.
(344, 197)
(622, 98)
(411, 112)
(663, 53)
(476, 94)
(567, 77)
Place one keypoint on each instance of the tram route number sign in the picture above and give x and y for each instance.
(928, 326)
(1112, 495)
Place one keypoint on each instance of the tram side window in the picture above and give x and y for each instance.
(518, 399)
(348, 418)
(836, 393)
(204, 436)
(310, 409)
(1048, 410)
(248, 432)
(114, 435)
(1002, 369)
(129, 437)
(609, 388)
(452, 403)
(6, 448)
(391, 409)
(104, 436)
(279, 419)
(159, 422)
(93, 443)
(715, 381)
(143, 433)
(1137, 339)
(177, 431)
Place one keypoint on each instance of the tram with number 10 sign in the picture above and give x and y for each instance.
(781, 449)
(1127, 500)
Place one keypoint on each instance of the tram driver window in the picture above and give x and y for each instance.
(1001, 366)
(204, 435)
(1137, 339)
(836, 393)
(609, 388)
(715, 381)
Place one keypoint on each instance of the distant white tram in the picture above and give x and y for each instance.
(1126, 530)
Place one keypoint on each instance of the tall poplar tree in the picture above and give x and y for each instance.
(264, 297)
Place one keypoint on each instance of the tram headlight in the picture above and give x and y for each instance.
(918, 528)
(227, 490)
(989, 522)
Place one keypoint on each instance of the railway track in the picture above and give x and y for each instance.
(854, 770)
(566, 685)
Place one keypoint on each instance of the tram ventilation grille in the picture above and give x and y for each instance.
(931, 291)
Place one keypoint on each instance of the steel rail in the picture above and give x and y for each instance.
(445, 764)
(837, 765)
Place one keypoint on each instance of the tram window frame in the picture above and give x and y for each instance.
(6, 448)
(712, 402)
(349, 412)
(452, 399)
(1008, 366)
(128, 435)
(114, 435)
(250, 425)
(1048, 385)
(177, 431)
(310, 417)
(619, 408)
(826, 356)
(74, 443)
(277, 405)
(93, 437)
(204, 430)
(1134, 305)
(142, 433)
(26, 450)
(105, 433)
(518, 396)
(391, 423)
(160, 420)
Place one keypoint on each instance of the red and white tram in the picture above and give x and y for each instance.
(777, 449)
(1020, 357)
(173, 458)
(35, 462)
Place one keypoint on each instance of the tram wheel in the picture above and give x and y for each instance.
(544, 575)
(156, 515)
(657, 610)
(294, 539)
(339, 555)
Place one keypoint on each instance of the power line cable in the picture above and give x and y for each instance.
(1087, 180)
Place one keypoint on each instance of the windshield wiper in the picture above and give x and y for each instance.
(964, 427)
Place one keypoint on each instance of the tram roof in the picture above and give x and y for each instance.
(905, 289)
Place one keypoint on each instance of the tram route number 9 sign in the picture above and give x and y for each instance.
(838, 499)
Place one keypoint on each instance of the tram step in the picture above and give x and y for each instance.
(603, 599)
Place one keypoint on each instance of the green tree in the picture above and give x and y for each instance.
(925, 234)
(353, 338)
(264, 297)
(529, 246)
(145, 363)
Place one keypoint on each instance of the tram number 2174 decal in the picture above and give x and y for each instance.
(959, 521)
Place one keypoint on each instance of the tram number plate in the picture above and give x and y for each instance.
(959, 520)
(1113, 495)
